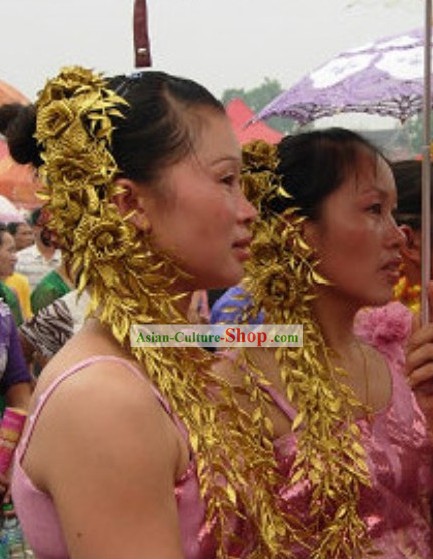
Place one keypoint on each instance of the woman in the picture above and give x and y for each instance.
(134, 452)
(9, 280)
(350, 438)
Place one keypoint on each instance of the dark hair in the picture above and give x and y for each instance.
(158, 129)
(314, 164)
(408, 179)
(35, 216)
(12, 227)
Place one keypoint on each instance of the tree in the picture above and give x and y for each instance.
(259, 97)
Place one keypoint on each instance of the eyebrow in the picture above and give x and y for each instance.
(225, 159)
(377, 190)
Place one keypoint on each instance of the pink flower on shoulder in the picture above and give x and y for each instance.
(381, 326)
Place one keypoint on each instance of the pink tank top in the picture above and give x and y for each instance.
(38, 515)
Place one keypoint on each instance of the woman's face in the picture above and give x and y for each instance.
(8, 257)
(356, 237)
(203, 218)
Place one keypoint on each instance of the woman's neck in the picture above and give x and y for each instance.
(335, 315)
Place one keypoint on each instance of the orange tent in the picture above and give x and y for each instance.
(240, 115)
(17, 182)
(9, 94)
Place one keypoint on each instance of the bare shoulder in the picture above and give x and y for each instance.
(103, 440)
(103, 402)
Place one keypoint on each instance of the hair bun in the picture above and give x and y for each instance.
(18, 125)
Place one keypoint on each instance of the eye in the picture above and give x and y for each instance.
(229, 179)
(375, 208)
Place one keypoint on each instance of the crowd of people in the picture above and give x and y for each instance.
(153, 215)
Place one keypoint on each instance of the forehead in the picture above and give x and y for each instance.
(23, 226)
(215, 137)
(372, 173)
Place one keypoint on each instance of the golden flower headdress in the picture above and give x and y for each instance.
(129, 283)
(282, 280)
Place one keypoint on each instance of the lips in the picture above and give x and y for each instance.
(243, 243)
(393, 265)
(392, 269)
(242, 248)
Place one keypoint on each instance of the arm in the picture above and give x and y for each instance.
(16, 382)
(107, 453)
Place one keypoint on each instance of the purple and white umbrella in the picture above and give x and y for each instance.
(384, 77)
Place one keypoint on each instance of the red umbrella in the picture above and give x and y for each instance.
(241, 115)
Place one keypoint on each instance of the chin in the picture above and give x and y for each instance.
(216, 282)
(379, 300)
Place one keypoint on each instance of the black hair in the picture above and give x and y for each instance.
(158, 127)
(314, 164)
(12, 227)
(408, 180)
(35, 216)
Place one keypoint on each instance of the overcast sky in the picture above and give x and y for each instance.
(221, 43)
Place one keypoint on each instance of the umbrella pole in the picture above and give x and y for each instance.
(426, 170)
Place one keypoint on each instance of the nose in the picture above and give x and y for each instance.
(396, 236)
(247, 213)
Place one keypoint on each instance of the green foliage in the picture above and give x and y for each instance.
(259, 97)
(414, 129)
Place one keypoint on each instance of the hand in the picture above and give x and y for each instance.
(419, 363)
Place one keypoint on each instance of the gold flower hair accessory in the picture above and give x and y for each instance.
(129, 282)
(282, 280)
(101, 248)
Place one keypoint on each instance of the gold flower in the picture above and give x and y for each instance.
(259, 154)
(68, 82)
(53, 120)
(76, 170)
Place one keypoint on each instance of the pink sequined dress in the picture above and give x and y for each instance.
(396, 508)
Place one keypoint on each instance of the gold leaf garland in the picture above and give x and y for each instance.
(281, 277)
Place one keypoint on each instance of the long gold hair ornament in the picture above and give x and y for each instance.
(282, 279)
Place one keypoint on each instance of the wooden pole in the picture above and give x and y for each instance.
(426, 170)
(142, 54)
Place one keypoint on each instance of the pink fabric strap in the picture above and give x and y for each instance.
(78, 367)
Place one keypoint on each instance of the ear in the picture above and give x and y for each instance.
(132, 201)
(411, 250)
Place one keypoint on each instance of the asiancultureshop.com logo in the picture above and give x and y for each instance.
(216, 335)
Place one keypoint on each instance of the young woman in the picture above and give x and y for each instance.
(140, 452)
(350, 439)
